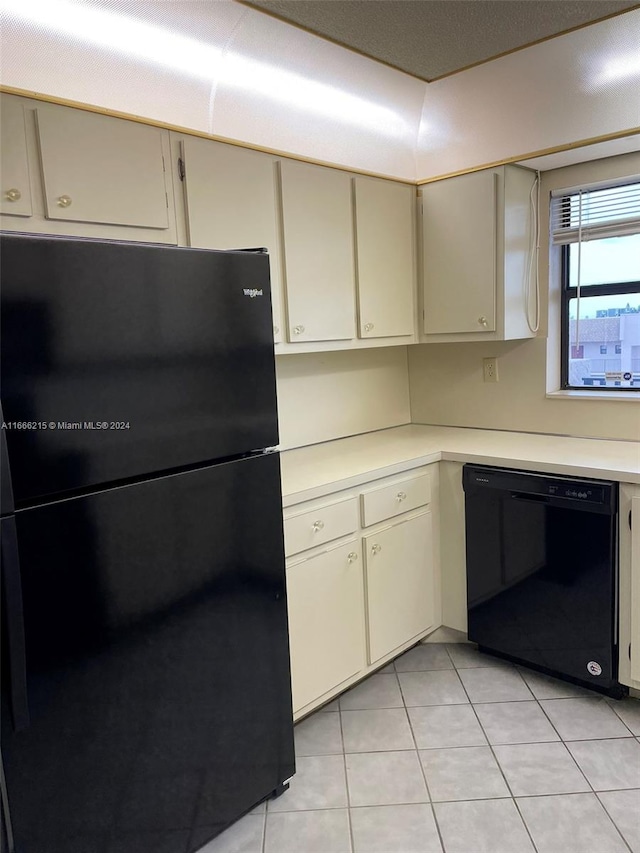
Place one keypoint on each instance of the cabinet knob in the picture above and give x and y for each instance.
(298, 330)
(368, 327)
(13, 195)
(375, 549)
(482, 321)
(352, 557)
(64, 200)
(317, 525)
(401, 496)
(276, 330)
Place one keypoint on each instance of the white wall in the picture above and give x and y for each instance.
(578, 86)
(322, 396)
(446, 379)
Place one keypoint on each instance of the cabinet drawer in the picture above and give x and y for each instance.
(395, 498)
(320, 525)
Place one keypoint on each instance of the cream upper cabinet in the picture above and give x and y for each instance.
(100, 169)
(399, 584)
(385, 253)
(318, 252)
(477, 253)
(14, 162)
(232, 203)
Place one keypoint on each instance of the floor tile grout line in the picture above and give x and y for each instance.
(613, 708)
(426, 783)
(564, 743)
(499, 766)
(263, 845)
(624, 840)
(592, 790)
(346, 782)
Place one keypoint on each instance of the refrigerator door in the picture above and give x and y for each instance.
(121, 359)
(157, 663)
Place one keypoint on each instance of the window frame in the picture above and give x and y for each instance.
(566, 294)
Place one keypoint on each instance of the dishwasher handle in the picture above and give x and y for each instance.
(524, 496)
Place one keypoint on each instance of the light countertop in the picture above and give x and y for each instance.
(313, 471)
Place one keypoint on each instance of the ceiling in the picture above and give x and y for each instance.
(430, 39)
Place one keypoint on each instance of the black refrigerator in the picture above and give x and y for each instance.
(146, 698)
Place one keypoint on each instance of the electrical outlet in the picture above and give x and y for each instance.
(490, 369)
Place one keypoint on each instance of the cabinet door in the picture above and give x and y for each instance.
(385, 255)
(231, 204)
(399, 579)
(459, 253)
(326, 621)
(635, 589)
(100, 169)
(14, 165)
(318, 252)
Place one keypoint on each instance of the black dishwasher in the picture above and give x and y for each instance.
(542, 572)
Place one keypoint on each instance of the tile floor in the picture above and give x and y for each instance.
(450, 750)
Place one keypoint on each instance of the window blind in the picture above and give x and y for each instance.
(592, 213)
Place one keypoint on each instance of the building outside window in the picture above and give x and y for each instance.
(598, 230)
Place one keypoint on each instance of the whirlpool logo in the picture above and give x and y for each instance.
(252, 292)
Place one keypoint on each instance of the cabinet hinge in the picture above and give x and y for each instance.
(181, 170)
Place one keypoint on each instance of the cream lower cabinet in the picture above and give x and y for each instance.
(399, 584)
(361, 581)
(629, 598)
(326, 621)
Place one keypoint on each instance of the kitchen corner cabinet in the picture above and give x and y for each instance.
(361, 581)
(14, 161)
(217, 177)
(629, 551)
(477, 255)
(318, 252)
(90, 175)
(385, 254)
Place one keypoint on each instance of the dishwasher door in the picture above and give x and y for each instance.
(541, 572)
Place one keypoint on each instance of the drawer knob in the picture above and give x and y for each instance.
(352, 557)
(375, 549)
(64, 201)
(482, 321)
(401, 496)
(317, 525)
(13, 195)
(368, 327)
(298, 330)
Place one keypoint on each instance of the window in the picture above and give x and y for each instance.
(598, 231)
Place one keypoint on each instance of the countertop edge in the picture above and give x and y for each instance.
(407, 447)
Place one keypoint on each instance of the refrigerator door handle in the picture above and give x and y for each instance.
(6, 829)
(6, 488)
(14, 620)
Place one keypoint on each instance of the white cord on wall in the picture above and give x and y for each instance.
(534, 256)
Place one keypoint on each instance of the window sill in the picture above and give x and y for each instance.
(622, 396)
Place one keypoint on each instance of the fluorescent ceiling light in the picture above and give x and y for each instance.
(129, 37)
(304, 94)
(621, 68)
